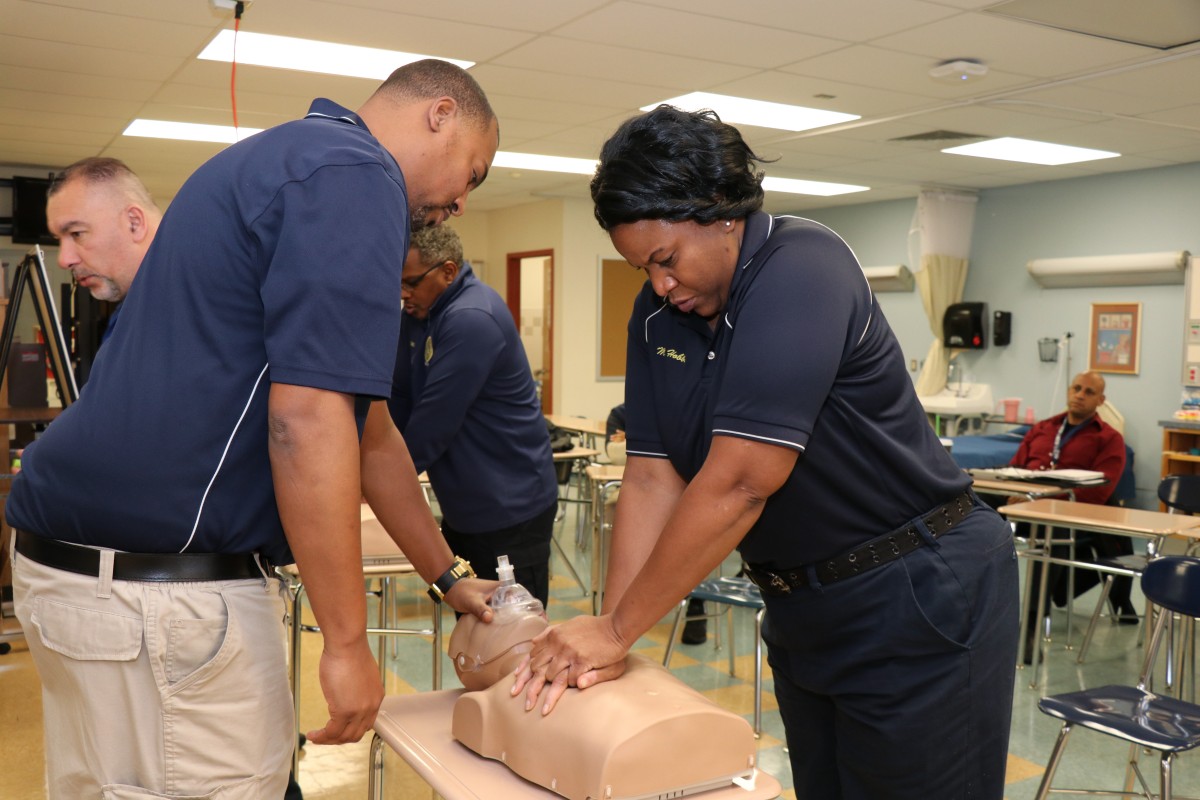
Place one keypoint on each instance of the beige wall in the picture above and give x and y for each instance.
(568, 228)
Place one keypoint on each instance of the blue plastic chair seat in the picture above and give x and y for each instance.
(730, 590)
(1134, 713)
(1150, 720)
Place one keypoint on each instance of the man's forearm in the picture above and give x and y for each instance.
(389, 483)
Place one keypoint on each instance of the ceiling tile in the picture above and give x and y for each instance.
(623, 64)
(1009, 46)
(642, 27)
(844, 20)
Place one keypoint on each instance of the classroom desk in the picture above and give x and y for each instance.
(1048, 513)
(590, 429)
(603, 480)
(1030, 491)
(579, 458)
(417, 727)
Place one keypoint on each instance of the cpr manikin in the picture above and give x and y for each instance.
(646, 734)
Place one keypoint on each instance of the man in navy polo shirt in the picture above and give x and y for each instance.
(219, 434)
(464, 398)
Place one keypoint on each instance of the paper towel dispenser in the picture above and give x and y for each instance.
(962, 326)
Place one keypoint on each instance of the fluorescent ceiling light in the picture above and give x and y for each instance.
(575, 166)
(1029, 151)
(310, 55)
(225, 134)
(188, 131)
(756, 112)
(821, 188)
(587, 166)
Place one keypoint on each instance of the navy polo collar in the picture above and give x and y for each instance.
(757, 230)
(322, 108)
(465, 275)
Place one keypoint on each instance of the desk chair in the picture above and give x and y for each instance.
(382, 562)
(1134, 713)
(725, 594)
(1181, 495)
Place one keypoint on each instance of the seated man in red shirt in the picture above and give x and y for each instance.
(1079, 439)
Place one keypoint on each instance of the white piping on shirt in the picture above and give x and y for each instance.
(330, 116)
(646, 453)
(225, 452)
(745, 435)
(871, 315)
(661, 309)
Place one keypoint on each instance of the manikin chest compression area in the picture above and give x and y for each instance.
(644, 735)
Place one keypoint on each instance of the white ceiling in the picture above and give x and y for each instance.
(562, 74)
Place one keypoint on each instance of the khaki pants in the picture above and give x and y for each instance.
(159, 690)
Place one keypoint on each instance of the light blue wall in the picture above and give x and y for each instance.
(878, 234)
(1130, 212)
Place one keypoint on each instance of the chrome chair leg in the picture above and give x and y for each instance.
(1091, 628)
(375, 774)
(675, 626)
(758, 670)
(1052, 767)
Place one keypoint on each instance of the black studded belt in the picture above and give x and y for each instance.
(875, 553)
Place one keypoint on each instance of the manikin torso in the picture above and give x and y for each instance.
(646, 733)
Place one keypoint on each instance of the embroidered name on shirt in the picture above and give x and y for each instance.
(672, 353)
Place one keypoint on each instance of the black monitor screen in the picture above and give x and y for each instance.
(29, 211)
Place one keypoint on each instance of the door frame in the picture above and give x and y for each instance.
(512, 298)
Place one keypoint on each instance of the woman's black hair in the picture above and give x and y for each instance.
(676, 165)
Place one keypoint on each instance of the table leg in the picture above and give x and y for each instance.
(1042, 631)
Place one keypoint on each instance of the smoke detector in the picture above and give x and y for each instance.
(960, 70)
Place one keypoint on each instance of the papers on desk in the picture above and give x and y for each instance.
(1073, 477)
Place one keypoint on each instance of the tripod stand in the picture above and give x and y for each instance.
(31, 274)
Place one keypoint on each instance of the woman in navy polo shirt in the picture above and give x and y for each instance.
(769, 411)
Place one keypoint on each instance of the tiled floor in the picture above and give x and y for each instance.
(339, 773)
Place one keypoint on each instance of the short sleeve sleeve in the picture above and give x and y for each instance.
(800, 317)
(331, 295)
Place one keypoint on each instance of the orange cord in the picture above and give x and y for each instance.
(237, 24)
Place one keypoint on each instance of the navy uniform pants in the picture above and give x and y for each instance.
(897, 684)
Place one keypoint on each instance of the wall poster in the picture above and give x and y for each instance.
(1116, 337)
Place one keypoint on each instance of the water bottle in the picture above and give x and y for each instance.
(512, 600)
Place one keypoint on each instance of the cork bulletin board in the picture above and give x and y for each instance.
(619, 285)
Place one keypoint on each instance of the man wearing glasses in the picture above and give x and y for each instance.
(464, 397)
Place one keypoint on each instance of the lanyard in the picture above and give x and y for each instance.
(1059, 441)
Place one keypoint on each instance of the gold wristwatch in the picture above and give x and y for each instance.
(461, 568)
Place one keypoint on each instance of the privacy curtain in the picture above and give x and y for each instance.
(940, 241)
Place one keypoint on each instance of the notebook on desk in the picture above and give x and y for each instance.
(1072, 477)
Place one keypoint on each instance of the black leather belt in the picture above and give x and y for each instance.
(875, 553)
(173, 567)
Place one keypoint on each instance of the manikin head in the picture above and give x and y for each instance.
(483, 653)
